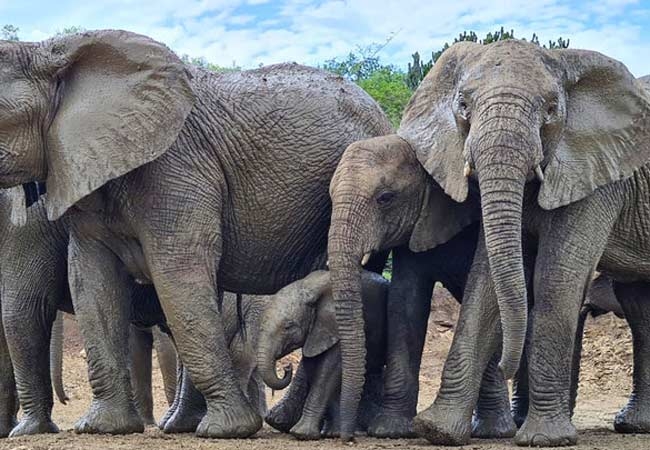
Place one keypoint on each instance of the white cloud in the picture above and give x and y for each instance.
(251, 32)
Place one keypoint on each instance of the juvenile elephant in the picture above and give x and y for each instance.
(383, 199)
(558, 143)
(34, 285)
(302, 316)
(193, 181)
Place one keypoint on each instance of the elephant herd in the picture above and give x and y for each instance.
(233, 218)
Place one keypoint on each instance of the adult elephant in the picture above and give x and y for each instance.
(34, 285)
(194, 181)
(557, 142)
(383, 199)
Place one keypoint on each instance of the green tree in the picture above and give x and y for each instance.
(205, 64)
(357, 65)
(388, 87)
(9, 33)
(70, 30)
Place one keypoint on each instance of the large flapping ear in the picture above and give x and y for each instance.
(607, 131)
(324, 333)
(429, 124)
(440, 219)
(122, 100)
(18, 202)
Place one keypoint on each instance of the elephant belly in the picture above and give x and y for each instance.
(627, 255)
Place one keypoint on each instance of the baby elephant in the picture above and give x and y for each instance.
(302, 315)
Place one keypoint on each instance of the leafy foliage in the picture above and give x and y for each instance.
(9, 33)
(388, 87)
(70, 30)
(205, 64)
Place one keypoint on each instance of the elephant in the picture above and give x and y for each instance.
(556, 141)
(383, 199)
(193, 181)
(34, 285)
(303, 317)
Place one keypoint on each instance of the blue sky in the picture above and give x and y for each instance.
(252, 32)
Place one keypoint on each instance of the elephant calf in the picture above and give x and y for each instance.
(303, 315)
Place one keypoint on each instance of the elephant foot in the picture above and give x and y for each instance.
(632, 419)
(443, 426)
(391, 426)
(237, 420)
(331, 429)
(107, 417)
(493, 426)
(32, 425)
(283, 416)
(6, 425)
(306, 430)
(182, 420)
(546, 432)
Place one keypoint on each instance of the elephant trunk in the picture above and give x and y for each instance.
(266, 364)
(503, 166)
(56, 358)
(345, 261)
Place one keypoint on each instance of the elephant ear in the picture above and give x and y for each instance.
(607, 131)
(429, 124)
(323, 334)
(440, 219)
(123, 99)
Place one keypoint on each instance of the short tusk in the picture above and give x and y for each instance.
(467, 170)
(539, 173)
(365, 259)
(327, 263)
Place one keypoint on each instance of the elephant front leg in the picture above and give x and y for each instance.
(409, 305)
(8, 395)
(565, 263)
(286, 413)
(188, 409)
(98, 284)
(492, 418)
(141, 344)
(167, 362)
(28, 340)
(184, 274)
(635, 301)
(449, 420)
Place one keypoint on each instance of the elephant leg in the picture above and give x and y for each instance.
(286, 413)
(577, 358)
(449, 420)
(326, 383)
(140, 345)
(560, 284)
(8, 394)
(371, 400)
(257, 393)
(28, 326)
(409, 305)
(492, 418)
(99, 288)
(167, 361)
(635, 416)
(188, 409)
(184, 267)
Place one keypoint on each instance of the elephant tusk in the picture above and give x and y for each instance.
(467, 169)
(539, 173)
(365, 259)
(327, 263)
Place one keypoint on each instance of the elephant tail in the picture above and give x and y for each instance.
(56, 358)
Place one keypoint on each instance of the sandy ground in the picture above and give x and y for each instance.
(605, 383)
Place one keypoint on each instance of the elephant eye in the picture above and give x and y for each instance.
(385, 198)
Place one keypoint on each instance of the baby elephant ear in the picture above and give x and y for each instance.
(123, 99)
(429, 124)
(607, 131)
(324, 333)
(440, 219)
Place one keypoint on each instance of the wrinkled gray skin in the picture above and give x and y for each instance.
(242, 335)
(302, 316)
(190, 180)
(33, 270)
(383, 199)
(557, 142)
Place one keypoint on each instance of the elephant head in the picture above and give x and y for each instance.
(295, 318)
(381, 198)
(80, 110)
(565, 122)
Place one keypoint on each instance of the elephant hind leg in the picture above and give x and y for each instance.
(492, 418)
(635, 301)
(140, 346)
(8, 394)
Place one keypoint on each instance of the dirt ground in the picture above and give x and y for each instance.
(605, 383)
